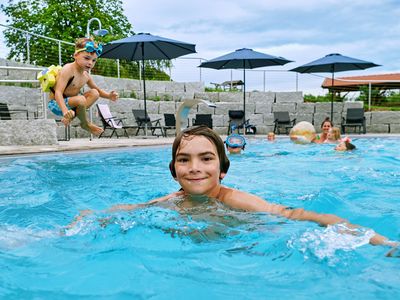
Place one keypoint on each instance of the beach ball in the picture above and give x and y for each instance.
(302, 133)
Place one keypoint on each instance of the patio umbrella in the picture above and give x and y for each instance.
(332, 63)
(144, 46)
(244, 59)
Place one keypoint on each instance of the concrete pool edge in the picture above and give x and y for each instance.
(97, 144)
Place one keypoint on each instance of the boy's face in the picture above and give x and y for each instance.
(197, 166)
(86, 60)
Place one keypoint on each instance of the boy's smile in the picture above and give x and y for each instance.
(197, 166)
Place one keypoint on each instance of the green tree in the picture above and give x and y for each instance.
(67, 20)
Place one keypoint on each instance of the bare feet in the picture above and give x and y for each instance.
(96, 130)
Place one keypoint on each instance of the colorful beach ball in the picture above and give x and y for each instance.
(302, 133)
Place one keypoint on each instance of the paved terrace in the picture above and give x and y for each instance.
(85, 144)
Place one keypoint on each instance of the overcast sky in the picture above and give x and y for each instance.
(301, 31)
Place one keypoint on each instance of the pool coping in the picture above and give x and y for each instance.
(85, 144)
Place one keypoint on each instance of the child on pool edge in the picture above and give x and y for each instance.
(199, 163)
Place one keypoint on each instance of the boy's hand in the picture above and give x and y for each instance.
(68, 117)
(113, 96)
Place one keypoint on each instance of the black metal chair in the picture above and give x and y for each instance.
(5, 113)
(237, 122)
(354, 118)
(203, 119)
(282, 121)
(110, 122)
(144, 121)
(170, 122)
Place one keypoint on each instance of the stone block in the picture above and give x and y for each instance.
(305, 108)
(218, 121)
(285, 97)
(255, 119)
(232, 96)
(290, 107)
(394, 128)
(260, 97)
(263, 107)
(210, 96)
(325, 107)
(385, 117)
(378, 128)
(352, 104)
(167, 107)
(268, 119)
(304, 117)
(204, 109)
(194, 87)
(28, 132)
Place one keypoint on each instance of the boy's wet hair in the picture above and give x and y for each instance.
(209, 134)
(81, 42)
(327, 119)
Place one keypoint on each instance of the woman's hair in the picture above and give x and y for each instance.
(208, 133)
(326, 120)
(336, 133)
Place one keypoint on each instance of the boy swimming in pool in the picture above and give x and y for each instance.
(66, 100)
(199, 163)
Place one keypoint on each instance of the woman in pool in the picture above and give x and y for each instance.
(325, 126)
(199, 163)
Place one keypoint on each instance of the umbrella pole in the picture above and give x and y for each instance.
(144, 94)
(244, 98)
(333, 81)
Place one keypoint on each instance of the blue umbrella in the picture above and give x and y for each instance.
(144, 46)
(244, 59)
(332, 63)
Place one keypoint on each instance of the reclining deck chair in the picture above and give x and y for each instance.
(354, 118)
(237, 122)
(203, 119)
(143, 121)
(110, 122)
(282, 121)
(170, 122)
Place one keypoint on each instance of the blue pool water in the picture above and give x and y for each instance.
(210, 252)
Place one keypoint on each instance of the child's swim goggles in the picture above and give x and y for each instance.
(90, 47)
(235, 141)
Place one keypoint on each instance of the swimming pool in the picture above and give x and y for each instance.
(211, 252)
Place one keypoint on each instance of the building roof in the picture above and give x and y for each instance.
(353, 83)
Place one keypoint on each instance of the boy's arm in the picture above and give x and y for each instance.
(249, 202)
(62, 81)
(113, 95)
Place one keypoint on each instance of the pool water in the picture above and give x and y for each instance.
(211, 252)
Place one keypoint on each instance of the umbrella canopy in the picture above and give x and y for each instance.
(144, 46)
(244, 59)
(332, 63)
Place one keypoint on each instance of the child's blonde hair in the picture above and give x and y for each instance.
(81, 42)
(336, 133)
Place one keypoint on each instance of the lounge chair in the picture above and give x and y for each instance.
(5, 113)
(143, 121)
(354, 118)
(110, 122)
(237, 122)
(203, 119)
(282, 121)
(170, 122)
